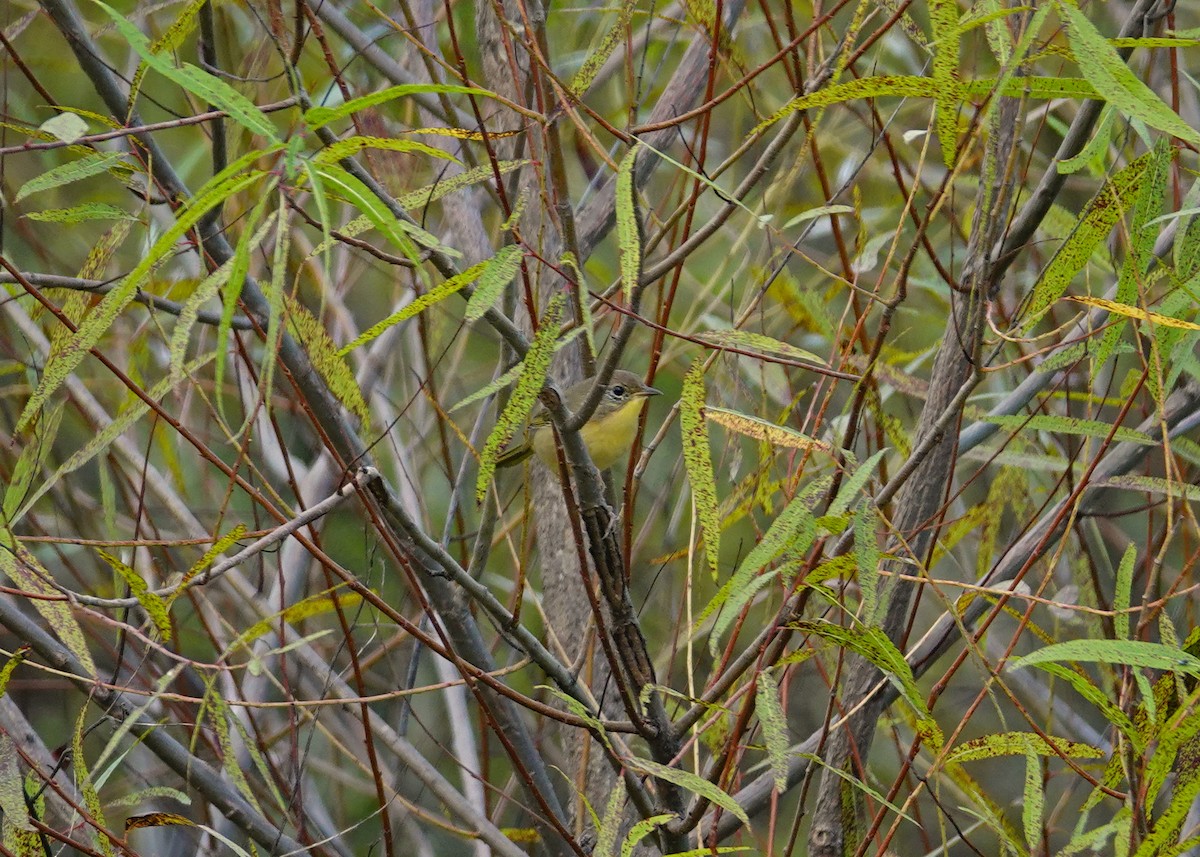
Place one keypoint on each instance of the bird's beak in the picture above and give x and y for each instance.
(649, 391)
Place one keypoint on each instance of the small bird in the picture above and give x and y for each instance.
(608, 434)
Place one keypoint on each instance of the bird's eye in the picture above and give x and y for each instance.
(618, 392)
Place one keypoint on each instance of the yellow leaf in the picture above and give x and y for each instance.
(773, 434)
(1136, 312)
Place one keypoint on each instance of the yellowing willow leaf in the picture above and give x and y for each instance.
(629, 237)
(496, 276)
(697, 459)
(1102, 213)
(524, 396)
(1136, 312)
(608, 43)
(943, 15)
(422, 302)
(776, 435)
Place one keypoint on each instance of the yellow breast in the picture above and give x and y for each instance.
(607, 439)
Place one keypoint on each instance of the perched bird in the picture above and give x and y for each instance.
(608, 434)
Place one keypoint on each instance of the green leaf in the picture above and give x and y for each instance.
(442, 187)
(1103, 212)
(774, 724)
(497, 274)
(641, 830)
(329, 363)
(88, 786)
(317, 117)
(693, 783)
(360, 196)
(154, 606)
(1124, 592)
(100, 319)
(107, 436)
(207, 87)
(234, 281)
(1033, 803)
(608, 43)
(819, 211)
(81, 213)
(1019, 744)
(697, 461)
(77, 170)
(20, 829)
(854, 484)
(28, 468)
(910, 86)
(943, 15)
(27, 574)
(525, 394)
(874, 645)
(418, 304)
(608, 829)
(867, 556)
(1115, 82)
(629, 233)
(10, 666)
(794, 531)
(1132, 653)
(744, 340)
(1070, 425)
(1086, 688)
(313, 605)
(353, 145)
(218, 547)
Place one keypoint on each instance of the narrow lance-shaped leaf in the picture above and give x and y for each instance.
(608, 43)
(1148, 205)
(239, 267)
(1123, 592)
(307, 330)
(77, 170)
(418, 304)
(1033, 803)
(641, 830)
(854, 484)
(87, 786)
(1133, 653)
(874, 645)
(524, 396)
(353, 145)
(943, 15)
(609, 828)
(81, 213)
(273, 291)
(317, 117)
(200, 83)
(774, 724)
(867, 554)
(794, 531)
(498, 272)
(697, 459)
(154, 606)
(993, 746)
(693, 783)
(1102, 213)
(629, 233)
(27, 574)
(100, 319)
(913, 86)
(1116, 83)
